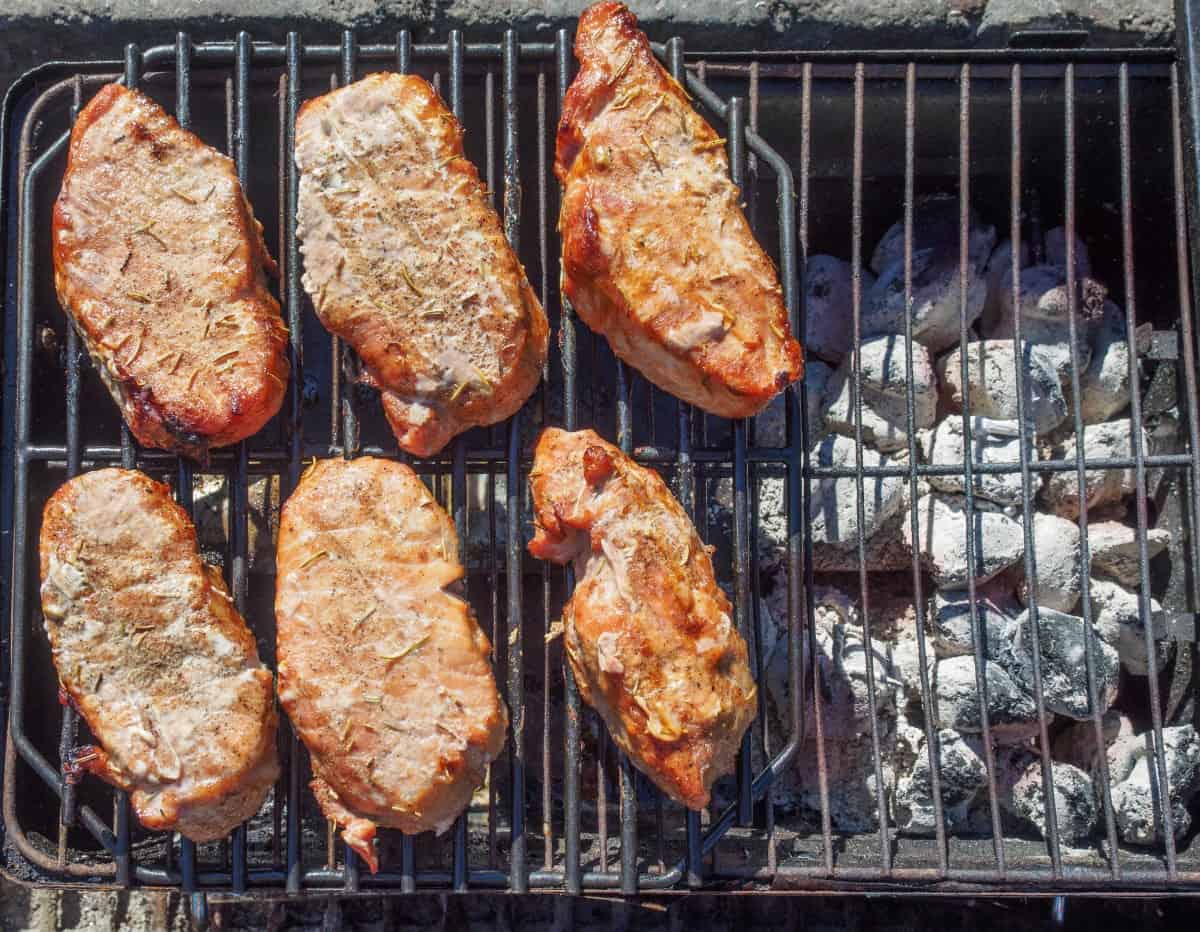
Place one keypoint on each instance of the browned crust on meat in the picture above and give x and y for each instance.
(620, 109)
(673, 682)
(156, 395)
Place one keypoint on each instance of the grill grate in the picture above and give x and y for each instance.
(484, 453)
(559, 838)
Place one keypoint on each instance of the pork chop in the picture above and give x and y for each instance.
(647, 632)
(153, 654)
(384, 673)
(657, 254)
(405, 259)
(162, 266)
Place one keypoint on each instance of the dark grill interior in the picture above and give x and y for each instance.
(1032, 139)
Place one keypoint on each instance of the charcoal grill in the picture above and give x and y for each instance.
(1028, 134)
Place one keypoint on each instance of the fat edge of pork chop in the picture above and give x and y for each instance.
(657, 253)
(648, 632)
(383, 671)
(406, 260)
(161, 265)
(152, 653)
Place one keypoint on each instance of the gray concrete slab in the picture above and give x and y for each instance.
(99, 28)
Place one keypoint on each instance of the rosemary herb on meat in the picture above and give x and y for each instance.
(314, 558)
(650, 150)
(405, 651)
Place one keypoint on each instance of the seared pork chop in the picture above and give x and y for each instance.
(152, 653)
(657, 254)
(648, 633)
(162, 266)
(405, 259)
(385, 674)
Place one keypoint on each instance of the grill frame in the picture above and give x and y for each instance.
(741, 459)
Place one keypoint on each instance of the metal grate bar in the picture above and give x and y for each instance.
(548, 670)
(292, 296)
(977, 633)
(932, 746)
(800, 551)
(1015, 168)
(685, 490)
(885, 848)
(1138, 442)
(1081, 479)
(715, 461)
(743, 550)
(573, 881)
(518, 870)
(1187, 327)
(70, 721)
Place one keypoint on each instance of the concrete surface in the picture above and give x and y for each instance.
(99, 28)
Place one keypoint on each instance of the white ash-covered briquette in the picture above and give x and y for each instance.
(885, 387)
(1012, 715)
(829, 306)
(1061, 643)
(1104, 387)
(952, 624)
(1045, 311)
(833, 502)
(998, 265)
(993, 442)
(996, 540)
(1057, 563)
(1110, 440)
(1113, 547)
(1054, 252)
(935, 274)
(993, 389)
(1137, 803)
(1118, 615)
(1075, 808)
(961, 775)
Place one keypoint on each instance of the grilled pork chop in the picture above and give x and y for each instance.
(152, 653)
(383, 672)
(657, 254)
(405, 259)
(161, 264)
(648, 633)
